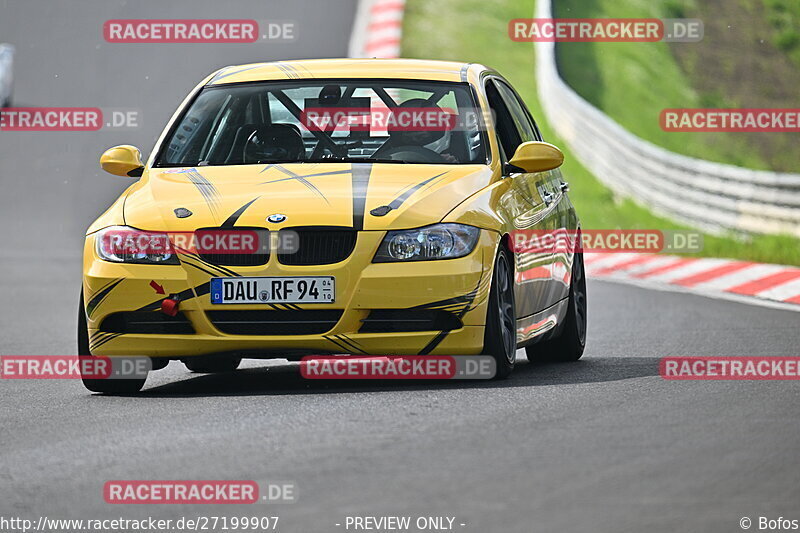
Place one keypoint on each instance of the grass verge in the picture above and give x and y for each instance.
(476, 31)
(737, 64)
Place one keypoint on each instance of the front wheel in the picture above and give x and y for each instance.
(569, 345)
(107, 386)
(500, 336)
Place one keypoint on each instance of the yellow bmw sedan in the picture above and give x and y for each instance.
(336, 206)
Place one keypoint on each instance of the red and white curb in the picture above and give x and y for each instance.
(378, 29)
(764, 284)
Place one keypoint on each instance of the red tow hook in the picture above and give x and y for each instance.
(169, 306)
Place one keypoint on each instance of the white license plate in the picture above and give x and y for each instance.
(289, 290)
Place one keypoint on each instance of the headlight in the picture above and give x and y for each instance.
(122, 244)
(440, 241)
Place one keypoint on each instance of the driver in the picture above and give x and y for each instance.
(436, 140)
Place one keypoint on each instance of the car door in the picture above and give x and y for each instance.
(528, 201)
(551, 190)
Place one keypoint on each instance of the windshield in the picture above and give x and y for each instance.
(392, 121)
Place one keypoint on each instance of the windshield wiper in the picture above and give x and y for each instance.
(374, 160)
(348, 159)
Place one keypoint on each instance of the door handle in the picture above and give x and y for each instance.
(564, 186)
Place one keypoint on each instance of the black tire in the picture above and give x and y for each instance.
(500, 336)
(212, 364)
(159, 363)
(570, 343)
(106, 386)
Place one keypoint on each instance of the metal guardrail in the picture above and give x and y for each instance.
(703, 194)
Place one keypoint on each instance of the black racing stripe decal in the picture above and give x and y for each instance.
(212, 266)
(397, 202)
(207, 189)
(349, 342)
(200, 265)
(295, 69)
(297, 73)
(467, 298)
(203, 289)
(332, 173)
(103, 288)
(97, 337)
(98, 342)
(224, 73)
(104, 340)
(337, 344)
(434, 343)
(187, 294)
(283, 69)
(109, 339)
(301, 66)
(301, 179)
(155, 306)
(456, 301)
(99, 296)
(209, 272)
(231, 220)
(361, 173)
(286, 69)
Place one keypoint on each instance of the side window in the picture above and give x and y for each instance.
(522, 119)
(506, 131)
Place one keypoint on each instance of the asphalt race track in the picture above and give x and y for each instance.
(601, 445)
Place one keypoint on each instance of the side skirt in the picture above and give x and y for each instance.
(542, 325)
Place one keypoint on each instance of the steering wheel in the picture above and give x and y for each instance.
(413, 153)
(257, 150)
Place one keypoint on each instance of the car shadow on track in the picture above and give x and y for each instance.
(286, 379)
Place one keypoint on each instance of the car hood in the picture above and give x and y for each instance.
(359, 195)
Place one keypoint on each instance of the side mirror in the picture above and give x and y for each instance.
(534, 156)
(124, 160)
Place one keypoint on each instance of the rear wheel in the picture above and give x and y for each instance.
(569, 345)
(500, 337)
(107, 386)
(212, 364)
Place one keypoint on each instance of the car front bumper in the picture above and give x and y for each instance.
(451, 288)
